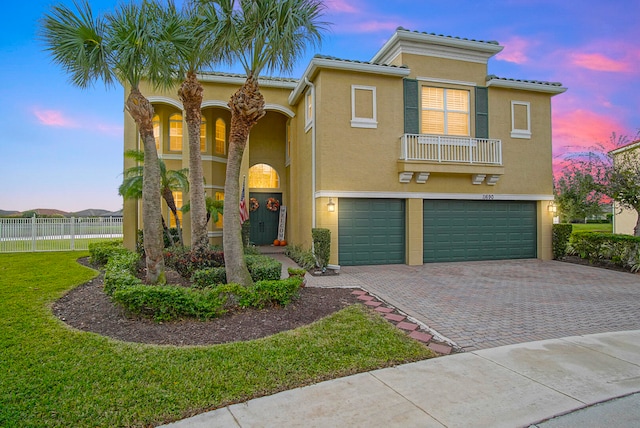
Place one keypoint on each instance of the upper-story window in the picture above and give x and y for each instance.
(221, 136)
(445, 111)
(203, 134)
(520, 119)
(156, 131)
(177, 198)
(364, 112)
(175, 132)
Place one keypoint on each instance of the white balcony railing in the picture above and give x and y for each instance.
(441, 148)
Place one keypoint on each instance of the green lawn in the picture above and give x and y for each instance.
(54, 376)
(595, 227)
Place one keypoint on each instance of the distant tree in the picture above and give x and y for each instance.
(576, 195)
(126, 45)
(615, 176)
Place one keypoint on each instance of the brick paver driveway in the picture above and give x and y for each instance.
(486, 304)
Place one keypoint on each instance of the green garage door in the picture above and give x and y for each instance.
(371, 231)
(479, 230)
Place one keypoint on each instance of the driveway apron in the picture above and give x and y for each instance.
(479, 305)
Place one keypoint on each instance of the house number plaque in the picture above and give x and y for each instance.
(487, 197)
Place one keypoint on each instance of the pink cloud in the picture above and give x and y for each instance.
(53, 118)
(599, 62)
(341, 6)
(115, 130)
(581, 129)
(515, 50)
(375, 26)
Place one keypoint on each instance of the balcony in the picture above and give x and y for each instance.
(423, 154)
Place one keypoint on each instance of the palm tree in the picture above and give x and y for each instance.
(263, 35)
(214, 209)
(193, 51)
(170, 181)
(125, 46)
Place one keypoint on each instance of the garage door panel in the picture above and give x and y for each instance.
(479, 230)
(371, 231)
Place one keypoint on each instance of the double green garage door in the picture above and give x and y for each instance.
(372, 231)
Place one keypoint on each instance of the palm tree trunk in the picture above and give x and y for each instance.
(142, 112)
(190, 94)
(247, 107)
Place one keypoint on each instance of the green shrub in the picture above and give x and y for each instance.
(263, 268)
(622, 250)
(296, 271)
(264, 293)
(169, 302)
(207, 277)
(101, 251)
(304, 258)
(321, 246)
(186, 262)
(561, 234)
(120, 271)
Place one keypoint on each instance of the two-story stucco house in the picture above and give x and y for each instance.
(419, 155)
(625, 220)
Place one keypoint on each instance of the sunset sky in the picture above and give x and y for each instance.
(62, 146)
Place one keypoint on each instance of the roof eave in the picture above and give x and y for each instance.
(527, 86)
(334, 64)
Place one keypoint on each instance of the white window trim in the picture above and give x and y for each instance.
(446, 111)
(308, 118)
(520, 133)
(363, 122)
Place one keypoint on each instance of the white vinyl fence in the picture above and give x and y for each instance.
(56, 234)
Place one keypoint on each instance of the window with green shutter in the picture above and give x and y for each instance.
(482, 112)
(411, 107)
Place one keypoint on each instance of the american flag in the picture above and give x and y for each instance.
(244, 212)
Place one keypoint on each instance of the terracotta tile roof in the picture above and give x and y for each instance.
(490, 42)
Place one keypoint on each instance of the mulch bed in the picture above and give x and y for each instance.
(603, 264)
(88, 308)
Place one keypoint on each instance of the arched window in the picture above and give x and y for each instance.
(263, 176)
(175, 132)
(156, 130)
(203, 135)
(221, 136)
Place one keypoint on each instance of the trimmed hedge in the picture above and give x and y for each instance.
(561, 233)
(622, 250)
(261, 268)
(321, 246)
(101, 251)
(169, 302)
(186, 262)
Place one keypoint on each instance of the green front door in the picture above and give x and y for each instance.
(479, 230)
(264, 223)
(371, 231)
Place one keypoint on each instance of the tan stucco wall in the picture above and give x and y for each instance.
(445, 69)
(624, 222)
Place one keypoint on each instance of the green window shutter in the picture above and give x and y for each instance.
(411, 107)
(482, 112)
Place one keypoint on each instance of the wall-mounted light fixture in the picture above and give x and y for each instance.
(552, 208)
(331, 207)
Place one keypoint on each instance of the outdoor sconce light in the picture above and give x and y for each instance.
(331, 207)
(552, 208)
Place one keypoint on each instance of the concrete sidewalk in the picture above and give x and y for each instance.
(510, 386)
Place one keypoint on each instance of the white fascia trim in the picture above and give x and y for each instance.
(526, 86)
(217, 234)
(437, 46)
(238, 80)
(333, 64)
(213, 187)
(279, 108)
(215, 103)
(170, 157)
(225, 105)
(445, 81)
(425, 195)
(166, 100)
